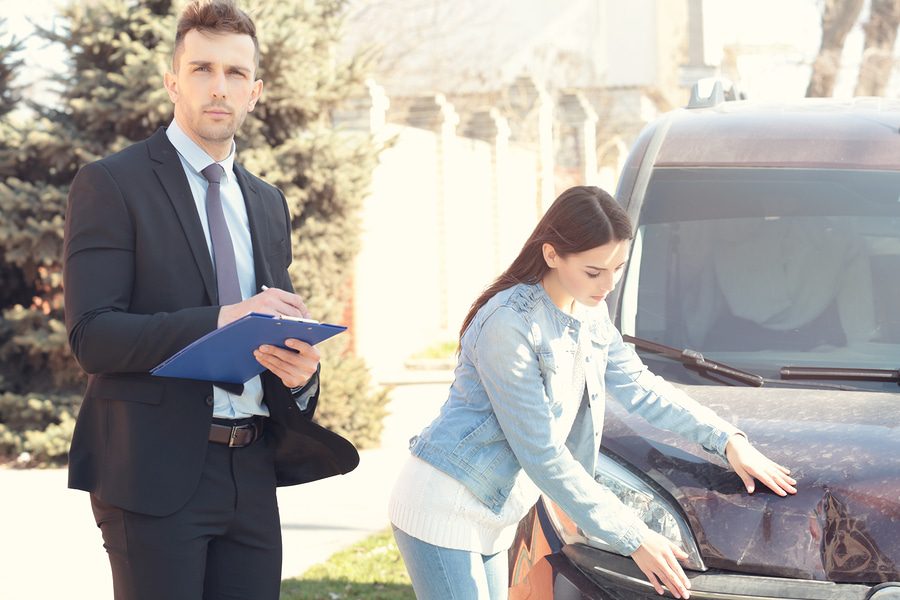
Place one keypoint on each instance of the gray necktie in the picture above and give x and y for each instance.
(229, 287)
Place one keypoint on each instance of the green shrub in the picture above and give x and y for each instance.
(346, 404)
(36, 429)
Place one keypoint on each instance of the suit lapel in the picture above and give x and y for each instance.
(259, 229)
(174, 181)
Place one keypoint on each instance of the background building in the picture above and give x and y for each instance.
(491, 111)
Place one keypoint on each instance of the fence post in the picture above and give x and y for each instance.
(577, 152)
(435, 113)
(365, 112)
(492, 127)
(532, 108)
(379, 104)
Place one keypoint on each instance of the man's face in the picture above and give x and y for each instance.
(213, 85)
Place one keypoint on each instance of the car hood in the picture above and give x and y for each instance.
(843, 447)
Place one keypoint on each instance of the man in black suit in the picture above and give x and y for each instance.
(166, 241)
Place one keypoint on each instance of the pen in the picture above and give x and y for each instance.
(264, 288)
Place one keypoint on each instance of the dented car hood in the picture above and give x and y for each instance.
(843, 447)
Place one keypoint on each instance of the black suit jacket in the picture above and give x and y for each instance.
(139, 285)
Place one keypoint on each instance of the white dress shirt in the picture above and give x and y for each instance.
(194, 159)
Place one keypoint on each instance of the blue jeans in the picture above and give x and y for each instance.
(445, 574)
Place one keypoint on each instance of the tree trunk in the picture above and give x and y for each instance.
(838, 19)
(878, 52)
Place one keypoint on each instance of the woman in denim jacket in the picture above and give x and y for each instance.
(538, 355)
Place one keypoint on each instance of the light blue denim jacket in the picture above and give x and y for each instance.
(512, 401)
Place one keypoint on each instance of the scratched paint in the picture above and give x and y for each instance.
(843, 447)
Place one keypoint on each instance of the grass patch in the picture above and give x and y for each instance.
(446, 350)
(371, 570)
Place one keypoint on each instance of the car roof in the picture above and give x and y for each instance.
(862, 133)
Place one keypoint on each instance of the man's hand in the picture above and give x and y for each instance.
(294, 367)
(748, 462)
(658, 558)
(271, 301)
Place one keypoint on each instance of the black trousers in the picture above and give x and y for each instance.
(224, 544)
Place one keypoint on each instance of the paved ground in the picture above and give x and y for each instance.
(50, 548)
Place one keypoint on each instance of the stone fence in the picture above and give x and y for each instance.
(453, 199)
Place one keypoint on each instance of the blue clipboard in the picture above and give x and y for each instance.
(226, 354)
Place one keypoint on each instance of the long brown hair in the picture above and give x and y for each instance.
(582, 218)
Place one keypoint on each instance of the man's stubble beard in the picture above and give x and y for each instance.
(220, 132)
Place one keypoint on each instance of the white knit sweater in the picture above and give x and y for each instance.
(429, 505)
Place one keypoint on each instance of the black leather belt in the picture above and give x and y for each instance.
(237, 433)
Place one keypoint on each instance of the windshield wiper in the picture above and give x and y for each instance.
(695, 360)
(845, 373)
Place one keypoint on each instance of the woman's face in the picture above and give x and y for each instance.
(588, 276)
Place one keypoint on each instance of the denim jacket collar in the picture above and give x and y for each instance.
(564, 318)
(582, 315)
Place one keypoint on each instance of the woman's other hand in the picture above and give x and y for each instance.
(750, 463)
(658, 558)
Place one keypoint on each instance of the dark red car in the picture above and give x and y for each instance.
(764, 280)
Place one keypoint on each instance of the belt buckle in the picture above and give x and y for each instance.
(233, 436)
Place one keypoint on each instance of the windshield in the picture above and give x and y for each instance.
(762, 268)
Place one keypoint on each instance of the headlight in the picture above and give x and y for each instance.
(656, 511)
(885, 591)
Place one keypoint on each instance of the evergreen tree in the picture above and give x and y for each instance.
(10, 96)
(10, 62)
(106, 100)
(111, 95)
(33, 416)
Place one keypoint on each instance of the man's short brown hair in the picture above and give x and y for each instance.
(214, 16)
